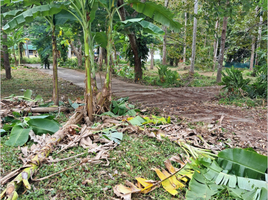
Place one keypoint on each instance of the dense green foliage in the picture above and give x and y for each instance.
(233, 81)
(166, 75)
(259, 87)
(237, 86)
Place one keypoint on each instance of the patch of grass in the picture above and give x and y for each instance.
(241, 102)
(9, 157)
(32, 60)
(134, 157)
(197, 80)
(40, 83)
(72, 64)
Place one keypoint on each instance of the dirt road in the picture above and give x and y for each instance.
(245, 127)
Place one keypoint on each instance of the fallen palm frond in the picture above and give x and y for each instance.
(36, 160)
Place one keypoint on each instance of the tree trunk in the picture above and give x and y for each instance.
(89, 93)
(100, 60)
(252, 53)
(259, 40)
(20, 50)
(6, 56)
(194, 37)
(69, 52)
(137, 59)
(133, 44)
(27, 50)
(115, 57)
(152, 57)
(215, 46)
(106, 95)
(77, 54)
(222, 47)
(55, 69)
(164, 61)
(14, 54)
(185, 36)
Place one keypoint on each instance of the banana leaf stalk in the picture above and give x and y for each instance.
(196, 152)
(22, 178)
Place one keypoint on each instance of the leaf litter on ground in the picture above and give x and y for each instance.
(110, 133)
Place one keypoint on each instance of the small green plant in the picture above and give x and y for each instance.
(124, 71)
(234, 82)
(259, 87)
(166, 75)
(27, 96)
(121, 107)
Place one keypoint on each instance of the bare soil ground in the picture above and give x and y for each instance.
(241, 126)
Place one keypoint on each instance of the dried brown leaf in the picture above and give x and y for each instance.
(123, 192)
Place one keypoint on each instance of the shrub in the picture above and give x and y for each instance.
(124, 71)
(259, 87)
(166, 75)
(32, 60)
(234, 82)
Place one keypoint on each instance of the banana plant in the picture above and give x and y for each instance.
(84, 12)
(15, 39)
(105, 98)
(47, 11)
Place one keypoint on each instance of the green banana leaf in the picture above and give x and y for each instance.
(101, 39)
(157, 12)
(113, 135)
(243, 163)
(213, 178)
(30, 14)
(19, 136)
(147, 26)
(41, 126)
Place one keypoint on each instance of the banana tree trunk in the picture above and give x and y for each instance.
(89, 92)
(106, 97)
(36, 161)
(100, 59)
(92, 65)
(223, 37)
(55, 69)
